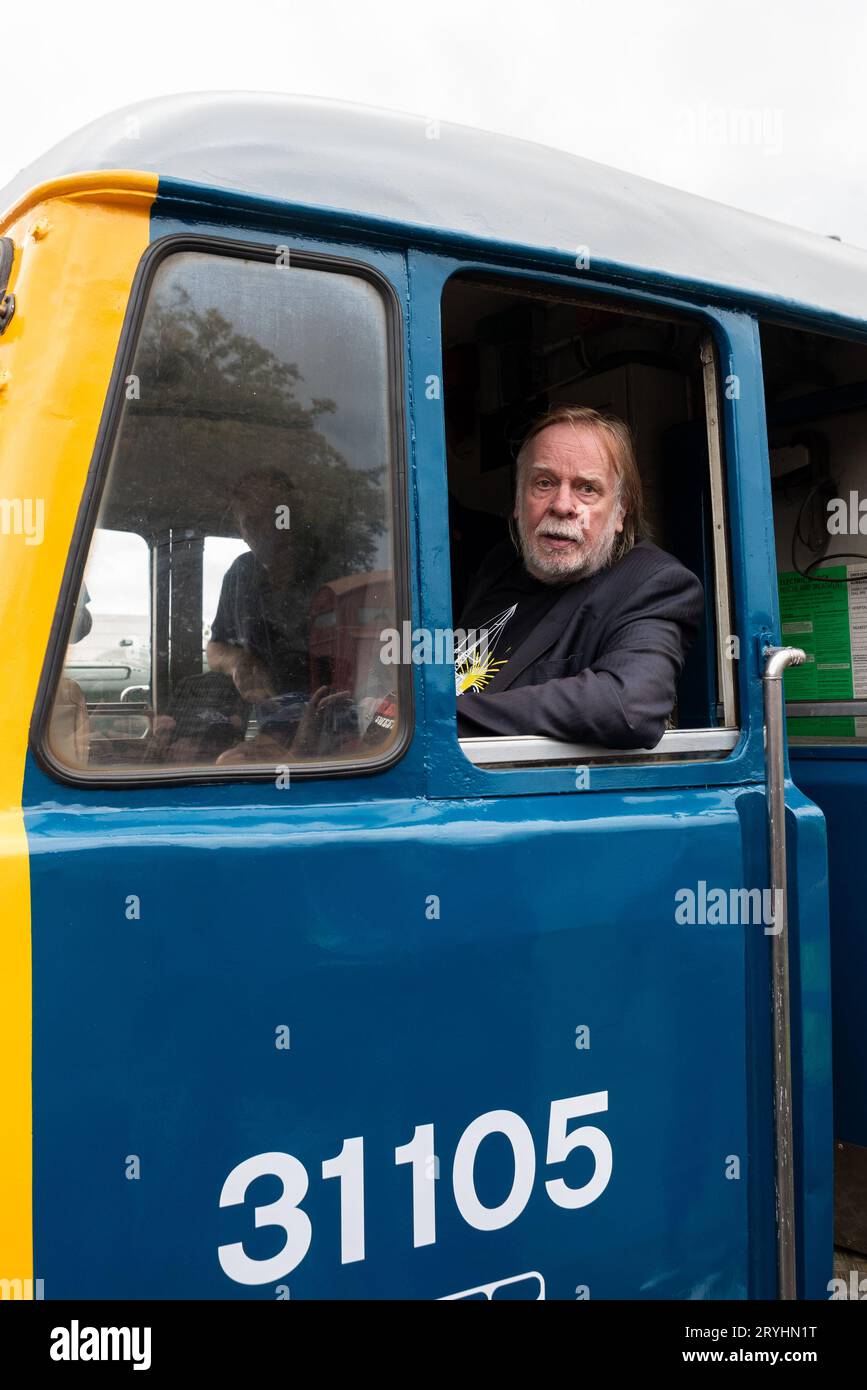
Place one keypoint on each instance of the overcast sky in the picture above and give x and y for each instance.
(759, 103)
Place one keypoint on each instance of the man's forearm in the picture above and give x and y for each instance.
(223, 657)
(624, 706)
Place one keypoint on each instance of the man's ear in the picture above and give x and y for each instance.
(621, 517)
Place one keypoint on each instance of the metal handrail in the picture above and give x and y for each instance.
(777, 660)
(826, 709)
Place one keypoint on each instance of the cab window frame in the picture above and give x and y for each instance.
(397, 517)
(514, 753)
(805, 745)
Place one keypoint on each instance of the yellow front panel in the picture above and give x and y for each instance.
(77, 245)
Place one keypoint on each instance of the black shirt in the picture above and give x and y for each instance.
(272, 623)
(509, 606)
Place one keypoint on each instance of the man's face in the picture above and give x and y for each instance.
(567, 507)
(257, 513)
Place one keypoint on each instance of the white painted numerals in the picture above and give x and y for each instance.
(348, 1166)
(285, 1213)
(463, 1174)
(561, 1144)
(419, 1154)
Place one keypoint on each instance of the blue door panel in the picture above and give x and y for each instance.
(837, 785)
(156, 1038)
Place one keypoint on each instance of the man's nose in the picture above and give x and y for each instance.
(563, 501)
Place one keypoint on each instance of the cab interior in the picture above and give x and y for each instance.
(511, 353)
(816, 407)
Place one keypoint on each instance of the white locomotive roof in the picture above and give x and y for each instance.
(386, 165)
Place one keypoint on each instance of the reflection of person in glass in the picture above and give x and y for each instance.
(259, 636)
(70, 721)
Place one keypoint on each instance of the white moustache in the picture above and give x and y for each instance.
(560, 535)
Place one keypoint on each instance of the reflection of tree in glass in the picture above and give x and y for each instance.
(214, 405)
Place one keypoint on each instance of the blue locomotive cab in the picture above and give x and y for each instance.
(364, 992)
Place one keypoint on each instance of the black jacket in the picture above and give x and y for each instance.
(602, 665)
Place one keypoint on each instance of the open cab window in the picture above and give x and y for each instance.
(512, 351)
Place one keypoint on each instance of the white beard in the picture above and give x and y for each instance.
(565, 567)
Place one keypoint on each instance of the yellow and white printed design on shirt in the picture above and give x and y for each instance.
(475, 666)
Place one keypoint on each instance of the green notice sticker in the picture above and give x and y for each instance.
(815, 616)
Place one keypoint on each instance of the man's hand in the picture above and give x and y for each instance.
(252, 680)
(308, 733)
(261, 749)
(251, 677)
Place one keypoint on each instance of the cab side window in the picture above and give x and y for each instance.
(245, 531)
(513, 353)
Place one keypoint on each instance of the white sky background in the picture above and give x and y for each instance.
(758, 103)
(624, 82)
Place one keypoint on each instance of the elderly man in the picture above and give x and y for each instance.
(259, 635)
(587, 624)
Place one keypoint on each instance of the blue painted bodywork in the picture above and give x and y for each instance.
(311, 909)
(834, 778)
